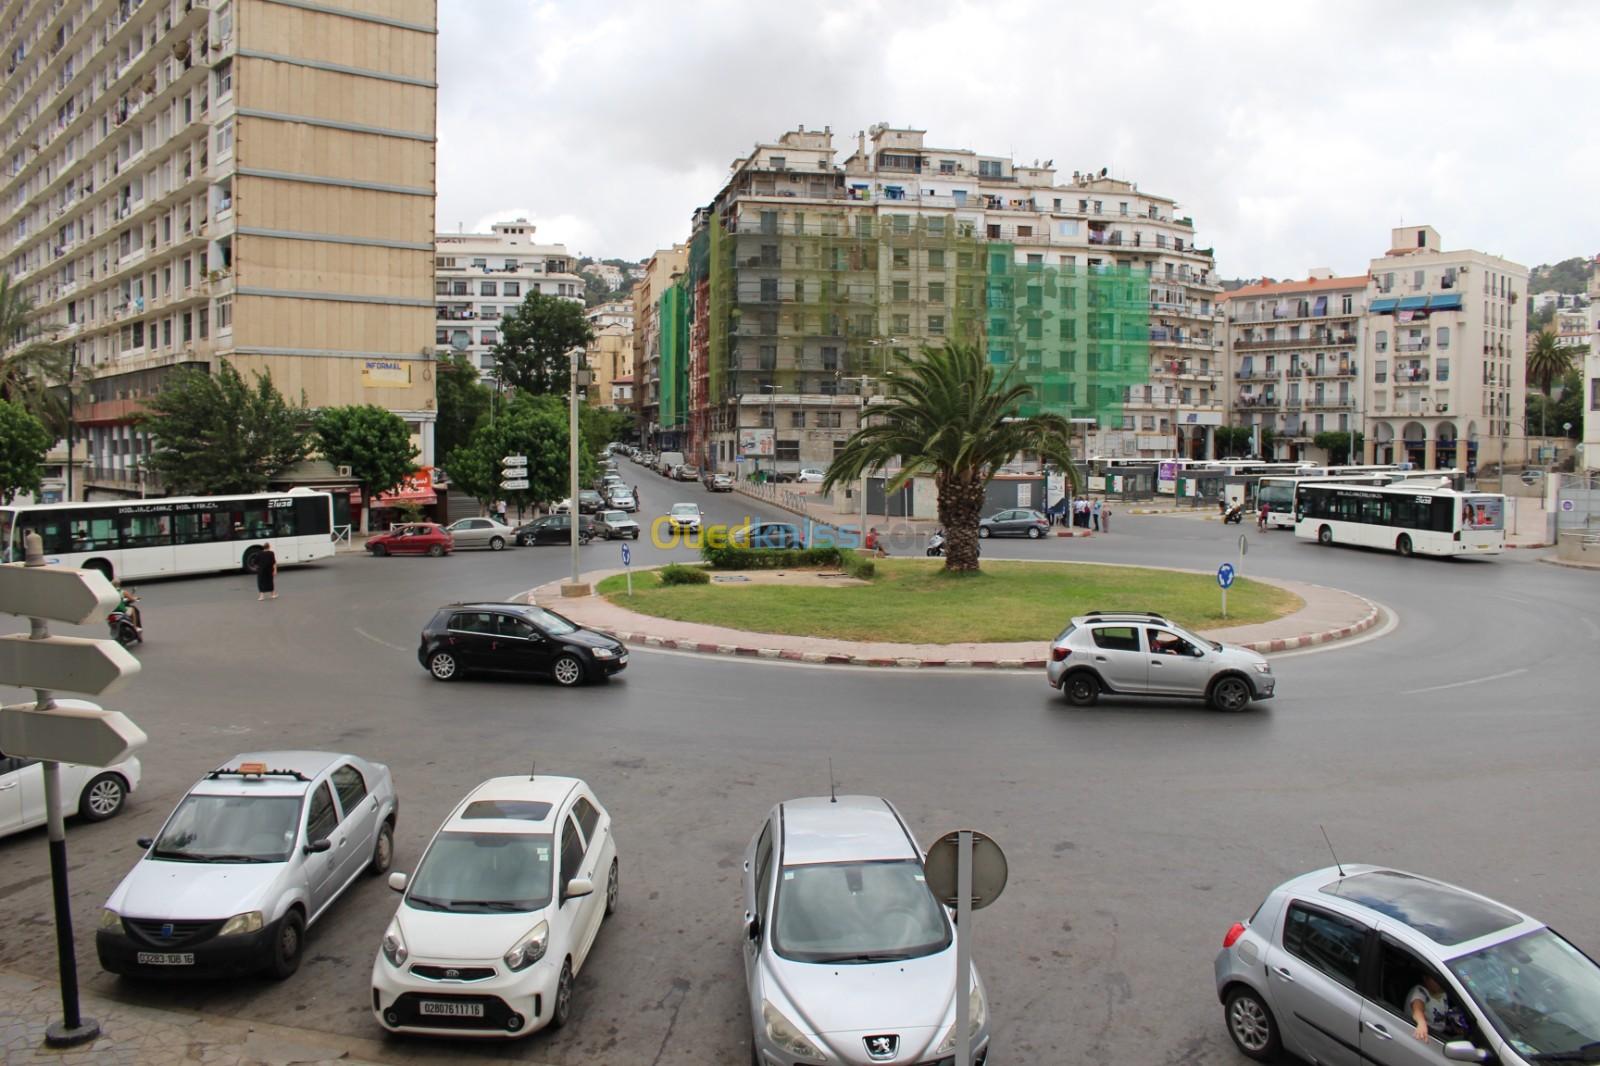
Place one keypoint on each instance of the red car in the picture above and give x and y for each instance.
(414, 538)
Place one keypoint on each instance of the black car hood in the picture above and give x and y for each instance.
(588, 638)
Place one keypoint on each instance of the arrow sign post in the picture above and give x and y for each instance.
(513, 484)
(1224, 579)
(66, 731)
(627, 566)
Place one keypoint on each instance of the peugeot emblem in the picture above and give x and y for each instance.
(452, 974)
(166, 930)
(882, 1048)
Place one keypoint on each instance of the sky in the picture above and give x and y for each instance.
(1295, 134)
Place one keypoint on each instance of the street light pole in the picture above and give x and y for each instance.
(72, 414)
(574, 513)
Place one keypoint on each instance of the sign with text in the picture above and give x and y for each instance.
(386, 373)
(757, 442)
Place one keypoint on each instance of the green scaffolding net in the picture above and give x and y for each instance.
(673, 319)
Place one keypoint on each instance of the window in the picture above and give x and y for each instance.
(902, 258)
(1441, 367)
(511, 288)
(1164, 642)
(936, 292)
(321, 815)
(901, 291)
(1116, 638)
(828, 419)
(990, 168)
(1443, 336)
(588, 818)
(225, 138)
(769, 290)
(936, 259)
(768, 357)
(224, 22)
(936, 327)
(1419, 278)
(224, 313)
(1402, 977)
(1329, 943)
(763, 869)
(797, 420)
(224, 78)
(351, 786)
(1380, 370)
(472, 622)
(571, 853)
(488, 288)
(488, 336)
(830, 358)
(788, 451)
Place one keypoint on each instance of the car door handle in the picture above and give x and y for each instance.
(1379, 1031)
(1155, 662)
(1284, 973)
(12, 784)
(1099, 658)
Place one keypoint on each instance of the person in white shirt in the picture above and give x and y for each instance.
(1429, 1007)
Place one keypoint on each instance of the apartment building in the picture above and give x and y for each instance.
(480, 277)
(1591, 383)
(807, 276)
(186, 181)
(1293, 361)
(1574, 327)
(1446, 338)
(651, 307)
(610, 359)
(611, 313)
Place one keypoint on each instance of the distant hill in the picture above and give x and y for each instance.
(1569, 275)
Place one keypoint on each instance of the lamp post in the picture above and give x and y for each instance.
(575, 371)
(772, 419)
(72, 414)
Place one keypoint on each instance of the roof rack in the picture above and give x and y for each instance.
(254, 769)
(1151, 615)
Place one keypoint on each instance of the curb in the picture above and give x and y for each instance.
(1528, 546)
(816, 658)
(1074, 532)
(1306, 640)
(1569, 564)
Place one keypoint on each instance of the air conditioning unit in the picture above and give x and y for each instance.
(1443, 407)
(344, 471)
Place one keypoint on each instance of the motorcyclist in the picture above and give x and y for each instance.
(129, 604)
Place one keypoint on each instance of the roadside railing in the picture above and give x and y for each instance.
(341, 535)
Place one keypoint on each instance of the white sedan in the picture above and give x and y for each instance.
(685, 517)
(488, 533)
(92, 793)
(500, 916)
(810, 476)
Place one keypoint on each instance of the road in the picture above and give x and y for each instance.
(1460, 744)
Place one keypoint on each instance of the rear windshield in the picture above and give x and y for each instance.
(1065, 633)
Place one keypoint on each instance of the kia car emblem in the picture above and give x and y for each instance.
(452, 973)
(881, 1048)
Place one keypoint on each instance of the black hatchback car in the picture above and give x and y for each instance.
(554, 529)
(516, 638)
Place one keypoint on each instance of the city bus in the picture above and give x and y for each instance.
(1277, 494)
(133, 539)
(1409, 517)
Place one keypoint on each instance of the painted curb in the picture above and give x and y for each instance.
(1569, 564)
(1306, 640)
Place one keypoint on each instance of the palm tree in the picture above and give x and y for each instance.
(949, 414)
(32, 367)
(1548, 362)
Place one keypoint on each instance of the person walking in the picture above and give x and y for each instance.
(1105, 520)
(1096, 513)
(1261, 518)
(266, 574)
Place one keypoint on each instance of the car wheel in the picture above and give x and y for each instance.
(288, 944)
(1250, 1023)
(522, 541)
(1033, 532)
(567, 671)
(611, 889)
(983, 532)
(378, 549)
(636, 534)
(1324, 535)
(436, 550)
(1403, 545)
(251, 561)
(443, 666)
(1230, 694)
(382, 851)
(561, 1010)
(102, 797)
(496, 543)
(933, 553)
(1081, 689)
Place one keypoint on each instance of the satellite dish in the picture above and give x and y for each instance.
(459, 342)
(1102, 172)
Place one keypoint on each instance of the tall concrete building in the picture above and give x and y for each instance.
(244, 179)
(807, 276)
(1293, 361)
(480, 277)
(651, 305)
(1590, 459)
(1446, 338)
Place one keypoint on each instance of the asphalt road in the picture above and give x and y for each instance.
(1460, 744)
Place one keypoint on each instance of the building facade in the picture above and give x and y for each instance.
(1446, 338)
(1293, 360)
(185, 182)
(661, 273)
(1590, 460)
(610, 359)
(481, 277)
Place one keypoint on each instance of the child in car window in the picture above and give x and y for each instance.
(1429, 1007)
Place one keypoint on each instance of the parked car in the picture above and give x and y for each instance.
(488, 533)
(716, 482)
(1019, 522)
(253, 856)
(848, 956)
(412, 538)
(589, 501)
(685, 517)
(616, 525)
(810, 476)
(623, 500)
(90, 792)
(1330, 963)
(686, 472)
(516, 638)
(768, 535)
(554, 529)
(1137, 654)
(782, 477)
(502, 912)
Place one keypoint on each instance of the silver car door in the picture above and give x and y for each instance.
(1312, 974)
(1177, 667)
(1119, 656)
(321, 868)
(359, 824)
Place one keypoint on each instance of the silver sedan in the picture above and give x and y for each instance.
(481, 533)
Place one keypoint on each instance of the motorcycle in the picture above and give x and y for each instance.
(1235, 514)
(127, 622)
(936, 542)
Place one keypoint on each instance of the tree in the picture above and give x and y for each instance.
(1342, 446)
(598, 427)
(216, 434)
(535, 426)
(32, 367)
(23, 444)
(949, 413)
(535, 340)
(464, 401)
(373, 442)
(1268, 436)
(1563, 410)
(1232, 440)
(1547, 362)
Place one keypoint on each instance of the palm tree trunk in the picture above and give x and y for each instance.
(960, 507)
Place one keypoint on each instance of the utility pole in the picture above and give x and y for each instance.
(574, 513)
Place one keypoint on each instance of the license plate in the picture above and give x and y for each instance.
(441, 1009)
(161, 958)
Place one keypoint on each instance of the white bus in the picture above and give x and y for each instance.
(1278, 493)
(132, 539)
(1408, 517)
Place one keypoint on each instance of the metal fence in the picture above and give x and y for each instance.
(1577, 501)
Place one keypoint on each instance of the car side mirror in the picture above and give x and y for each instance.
(145, 842)
(752, 929)
(1465, 1051)
(398, 881)
(1198, 653)
(579, 886)
(315, 846)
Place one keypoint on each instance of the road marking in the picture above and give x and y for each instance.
(379, 640)
(1463, 684)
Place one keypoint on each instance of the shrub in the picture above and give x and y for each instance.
(858, 566)
(731, 557)
(678, 574)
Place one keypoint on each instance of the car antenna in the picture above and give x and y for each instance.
(1337, 864)
(531, 767)
(833, 790)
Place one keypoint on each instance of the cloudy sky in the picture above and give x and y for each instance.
(1295, 134)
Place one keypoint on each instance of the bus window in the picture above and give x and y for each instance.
(250, 522)
(201, 527)
(311, 516)
(146, 530)
(283, 524)
(92, 535)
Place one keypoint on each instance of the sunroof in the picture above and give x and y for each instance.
(521, 810)
(1442, 914)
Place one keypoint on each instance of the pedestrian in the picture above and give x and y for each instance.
(266, 574)
(1105, 520)
(500, 509)
(1261, 519)
(1096, 513)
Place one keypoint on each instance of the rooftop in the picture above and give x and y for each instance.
(1288, 288)
(512, 804)
(851, 829)
(1443, 913)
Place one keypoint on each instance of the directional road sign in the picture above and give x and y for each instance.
(73, 731)
(514, 484)
(514, 471)
(627, 556)
(64, 664)
(989, 870)
(1225, 575)
(59, 593)
(514, 460)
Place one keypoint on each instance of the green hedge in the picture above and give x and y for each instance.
(678, 574)
(730, 557)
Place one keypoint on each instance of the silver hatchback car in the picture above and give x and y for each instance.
(848, 956)
(1136, 654)
(1359, 965)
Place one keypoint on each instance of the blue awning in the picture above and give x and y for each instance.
(1450, 302)
(1380, 306)
(1413, 303)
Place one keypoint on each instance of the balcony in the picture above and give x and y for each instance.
(1412, 346)
(1409, 376)
(1257, 401)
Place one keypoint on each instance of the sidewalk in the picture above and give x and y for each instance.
(1329, 614)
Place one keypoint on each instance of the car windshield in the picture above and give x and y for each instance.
(685, 509)
(857, 912)
(230, 829)
(549, 621)
(1541, 993)
(613, 516)
(483, 873)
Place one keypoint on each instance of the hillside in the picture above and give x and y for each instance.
(1569, 275)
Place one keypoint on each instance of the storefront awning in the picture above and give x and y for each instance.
(1449, 302)
(1378, 307)
(1413, 303)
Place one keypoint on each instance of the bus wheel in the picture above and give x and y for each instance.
(1403, 545)
(251, 561)
(100, 565)
(1324, 535)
